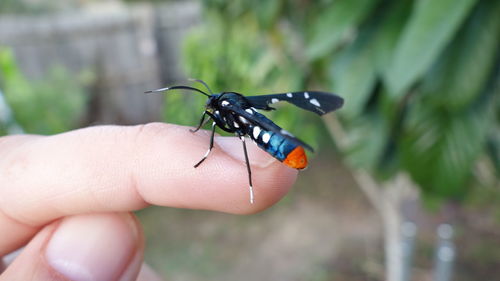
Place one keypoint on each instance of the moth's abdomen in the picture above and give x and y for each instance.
(296, 158)
(279, 147)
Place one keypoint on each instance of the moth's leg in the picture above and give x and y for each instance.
(220, 122)
(210, 147)
(248, 168)
(203, 121)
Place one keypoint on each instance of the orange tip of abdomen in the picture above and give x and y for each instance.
(296, 159)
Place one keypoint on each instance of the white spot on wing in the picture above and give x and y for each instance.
(315, 102)
(289, 95)
(224, 103)
(274, 100)
(249, 110)
(216, 112)
(306, 95)
(236, 125)
(256, 132)
(243, 120)
(255, 109)
(266, 137)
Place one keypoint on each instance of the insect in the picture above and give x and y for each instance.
(236, 113)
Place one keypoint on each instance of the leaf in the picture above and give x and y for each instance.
(367, 141)
(493, 149)
(353, 75)
(334, 24)
(267, 12)
(355, 69)
(430, 28)
(439, 148)
(391, 23)
(465, 66)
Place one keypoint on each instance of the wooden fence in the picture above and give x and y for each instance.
(129, 49)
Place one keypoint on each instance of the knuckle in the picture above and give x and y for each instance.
(150, 130)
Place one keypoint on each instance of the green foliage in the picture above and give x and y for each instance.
(29, 7)
(51, 105)
(238, 57)
(466, 64)
(430, 27)
(420, 78)
(344, 16)
(3, 128)
(11, 6)
(151, 1)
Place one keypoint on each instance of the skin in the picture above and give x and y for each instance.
(65, 197)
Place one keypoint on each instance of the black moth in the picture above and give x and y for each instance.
(236, 113)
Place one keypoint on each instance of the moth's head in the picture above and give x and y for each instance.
(212, 102)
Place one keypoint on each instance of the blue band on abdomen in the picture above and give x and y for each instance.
(278, 146)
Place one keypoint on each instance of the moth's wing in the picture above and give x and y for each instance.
(317, 102)
(265, 123)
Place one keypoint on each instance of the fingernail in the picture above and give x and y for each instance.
(93, 247)
(234, 147)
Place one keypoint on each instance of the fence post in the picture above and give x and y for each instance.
(408, 233)
(445, 253)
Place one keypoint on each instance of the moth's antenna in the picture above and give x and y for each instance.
(178, 88)
(202, 82)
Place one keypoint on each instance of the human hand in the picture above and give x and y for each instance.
(67, 197)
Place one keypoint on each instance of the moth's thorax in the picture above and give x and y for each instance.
(231, 98)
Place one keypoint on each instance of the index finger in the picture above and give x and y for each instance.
(112, 168)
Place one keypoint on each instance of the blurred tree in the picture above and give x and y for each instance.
(49, 106)
(421, 80)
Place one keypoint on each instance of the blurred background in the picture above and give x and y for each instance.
(405, 185)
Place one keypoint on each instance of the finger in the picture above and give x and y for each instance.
(111, 168)
(84, 247)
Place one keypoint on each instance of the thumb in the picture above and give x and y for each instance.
(105, 246)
